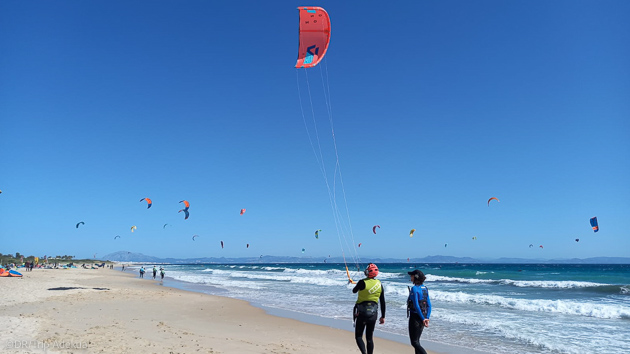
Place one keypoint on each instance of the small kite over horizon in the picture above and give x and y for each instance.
(117, 236)
(80, 223)
(221, 244)
(374, 228)
(493, 198)
(193, 238)
(133, 228)
(242, 211)
(149, 202)
(317, 234)
(186, 204)
(186, 213)
(411, 232)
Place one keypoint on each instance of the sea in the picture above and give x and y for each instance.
(493, 308)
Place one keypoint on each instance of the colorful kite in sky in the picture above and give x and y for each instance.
(594, 224)
(374, 228)
(314, 36)
(149, 202)
(493, 198)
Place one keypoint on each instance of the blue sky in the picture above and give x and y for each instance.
(437, 106)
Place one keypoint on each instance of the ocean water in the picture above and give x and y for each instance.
(494, 308)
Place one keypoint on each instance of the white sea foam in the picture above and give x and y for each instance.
(538, 305)
(560, 284)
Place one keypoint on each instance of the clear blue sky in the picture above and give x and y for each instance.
(437, 106)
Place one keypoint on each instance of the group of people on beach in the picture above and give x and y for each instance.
(370, 294)
(155, 270)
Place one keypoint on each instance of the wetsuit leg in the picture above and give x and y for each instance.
(369, 334)
(415, 330)
(358, 333)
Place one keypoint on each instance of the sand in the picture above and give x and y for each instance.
(109, 311)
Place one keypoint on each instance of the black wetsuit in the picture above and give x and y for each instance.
(366, 320)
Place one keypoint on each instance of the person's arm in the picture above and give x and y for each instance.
(429, 305)
(360, 286)
(382, 301)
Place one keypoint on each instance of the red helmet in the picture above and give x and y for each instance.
(371, 271)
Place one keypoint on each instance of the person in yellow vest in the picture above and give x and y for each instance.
(366, 309)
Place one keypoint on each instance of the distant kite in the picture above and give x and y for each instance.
(531, 245)
(594, 224)
(164, 227)
(303, 250)
(577, 240)
(247, 246)
(317, 234)
(374, 228)
(133, 228)
(242, 211)
(149, 202)
(117, 236)
(80, 223)
(446, 244)
(221, 244)
(193, 238)
(185, 213)
(186, 204)
(411, 232)
(498, 201)
(541, 246)
(474, 237)
(360, 244)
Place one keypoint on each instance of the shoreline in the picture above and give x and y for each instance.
(109, 311)
(429, 346)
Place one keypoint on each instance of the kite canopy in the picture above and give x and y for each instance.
(80, 223)
(133, 228)
(185, 213)
(594, 224)
(374, 228)
(493, 198)
(242, 211)
(149, 202)
(411, 232)
(314, 36)
(186, 204)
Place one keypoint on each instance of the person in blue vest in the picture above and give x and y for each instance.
(418, 309)
(366, 308)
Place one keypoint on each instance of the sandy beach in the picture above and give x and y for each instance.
(109, 311)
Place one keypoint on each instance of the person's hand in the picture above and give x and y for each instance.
(382, 320)
(426, 323)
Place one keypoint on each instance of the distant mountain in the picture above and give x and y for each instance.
(124, 256)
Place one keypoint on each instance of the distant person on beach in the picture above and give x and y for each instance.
(141, 272)
(418, 309)
(154, 272)
(366, 309)
(123, 269)
(162, 271)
